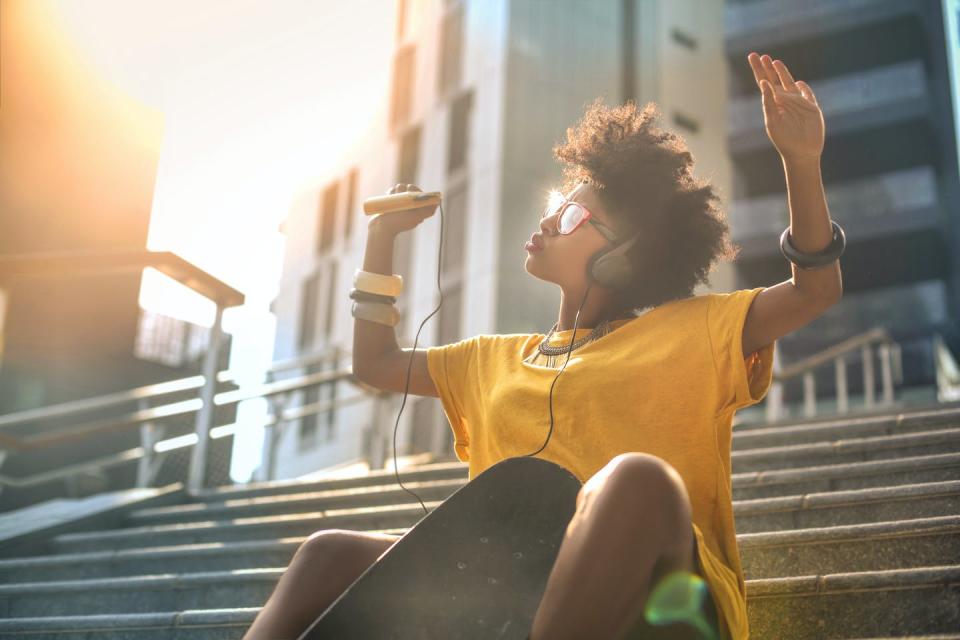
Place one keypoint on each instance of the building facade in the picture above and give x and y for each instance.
(881, 75)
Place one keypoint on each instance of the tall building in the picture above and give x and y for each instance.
(78, 168)
(481, 91)
(880, 70)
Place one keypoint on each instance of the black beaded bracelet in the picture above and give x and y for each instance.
(814, 260)
(356, 294)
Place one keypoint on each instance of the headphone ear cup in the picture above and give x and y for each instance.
(611, 268)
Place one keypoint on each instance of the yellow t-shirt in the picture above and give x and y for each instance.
(665, 383)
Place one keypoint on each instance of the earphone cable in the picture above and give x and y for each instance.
(406, 389)
(576, 322)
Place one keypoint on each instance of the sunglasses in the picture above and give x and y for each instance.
(572, 216)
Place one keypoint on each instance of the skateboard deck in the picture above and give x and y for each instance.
(474, 568)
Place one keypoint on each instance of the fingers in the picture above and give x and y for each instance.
(400, 188)
(759, 71)
(769, 103)
(807, 91)
(784, 74)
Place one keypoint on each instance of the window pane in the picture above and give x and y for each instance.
(451, 50)
(402, 87)
(454, 231)
(327, 213)
(409, 157)
(331, 298)
(351, 195)
(459, 131)
(308, 311)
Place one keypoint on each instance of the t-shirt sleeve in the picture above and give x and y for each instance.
(744, 381)
(453, 368)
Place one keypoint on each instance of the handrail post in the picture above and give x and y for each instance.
(198, 459)
(3, 457)
(840, 369)
(149, 464)
(867, 354)
(897, 364)
(271, 436)
(809, 395)
(774, 398)
(886, 375)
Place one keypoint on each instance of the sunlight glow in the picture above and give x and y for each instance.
(259, 99)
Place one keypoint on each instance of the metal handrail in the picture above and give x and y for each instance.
(72, 263)
(170, 444)
(888, 348)
(173, 409)
(146, 392)
(86, 262)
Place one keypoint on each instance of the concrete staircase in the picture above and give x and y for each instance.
(848, 528)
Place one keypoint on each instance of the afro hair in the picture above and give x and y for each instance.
(643, 177)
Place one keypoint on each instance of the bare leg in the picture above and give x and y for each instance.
(631, 528)
(322, 568)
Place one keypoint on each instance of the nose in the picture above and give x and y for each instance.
(548, 224)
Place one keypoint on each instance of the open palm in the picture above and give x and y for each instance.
(792, 116)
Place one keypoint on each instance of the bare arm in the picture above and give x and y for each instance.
(378, 359)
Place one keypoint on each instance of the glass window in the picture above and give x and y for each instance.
(454, 231)
(451, 50)
(327, 214)
(403, 67)
(459, 138)
(308, 311)
(351, 195)
(331, 298)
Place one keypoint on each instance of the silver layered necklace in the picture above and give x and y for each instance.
(601, 329)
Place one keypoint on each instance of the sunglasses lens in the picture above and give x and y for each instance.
(571, 217)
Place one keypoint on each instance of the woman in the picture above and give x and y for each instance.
(643, 415)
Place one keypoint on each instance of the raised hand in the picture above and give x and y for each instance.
(791, 114)
(397, 222)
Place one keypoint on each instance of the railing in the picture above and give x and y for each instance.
(279, 393)
(79, 262)
(948, 373)
(150, 454)
(890, 368)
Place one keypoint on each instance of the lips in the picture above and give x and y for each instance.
(537, 240)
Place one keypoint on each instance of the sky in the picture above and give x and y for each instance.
(260, 99)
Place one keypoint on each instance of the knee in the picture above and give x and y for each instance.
(321, 547)
(647, 481)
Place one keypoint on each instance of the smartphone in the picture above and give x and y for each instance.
(400, 201)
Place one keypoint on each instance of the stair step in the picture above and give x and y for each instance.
(846, 475)
(353, 497)
(901, 602)
(202, 624)
(847, 450)
(875, 504)
(213, 556)
(874, 546)
(765, 435)
(438, 471)
(281, 526)
(139, 594)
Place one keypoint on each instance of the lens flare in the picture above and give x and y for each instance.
(679, 597)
